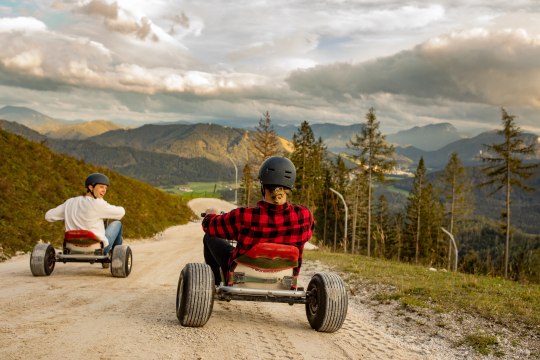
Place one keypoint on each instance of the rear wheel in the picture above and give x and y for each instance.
(121, 261)
(195, 295)
(326, 306)
(42, 260)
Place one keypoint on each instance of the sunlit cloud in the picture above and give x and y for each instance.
(416, 63)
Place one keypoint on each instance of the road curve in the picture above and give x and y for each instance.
(82, 312)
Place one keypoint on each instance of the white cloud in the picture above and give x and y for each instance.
(414, 62)
(21, 24)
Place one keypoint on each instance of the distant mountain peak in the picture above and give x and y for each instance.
(427, 137)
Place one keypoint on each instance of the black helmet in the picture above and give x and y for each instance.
(279, 171)
(97, 178)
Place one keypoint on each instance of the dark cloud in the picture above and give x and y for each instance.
(476, 66)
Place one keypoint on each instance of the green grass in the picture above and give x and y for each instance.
(200, 189)
(496, 299)
(33, 179)
(484, 344)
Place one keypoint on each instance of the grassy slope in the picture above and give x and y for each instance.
(492, 298)
(34, 179)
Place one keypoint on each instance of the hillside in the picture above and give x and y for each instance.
(19, 129)
(155, 168)
(82, 130)
(34, 179)
(31, 118)
(214, 142)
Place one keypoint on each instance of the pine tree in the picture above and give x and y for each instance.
(340, 179)
(414, 211)
(323, 214)
(382, 226)
(309, 157)
(506, 169)
(457, 194)
(358, 193)
(375, 156)
(265, 140)
(247, 185)
(423, 220)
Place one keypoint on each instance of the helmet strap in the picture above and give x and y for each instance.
(91, 192)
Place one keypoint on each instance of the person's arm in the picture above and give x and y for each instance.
(108, 211)
(225, 226)
(58, 213)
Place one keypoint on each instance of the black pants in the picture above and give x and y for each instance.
(216, 254)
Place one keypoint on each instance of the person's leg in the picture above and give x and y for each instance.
(216, 254)
(114, 235)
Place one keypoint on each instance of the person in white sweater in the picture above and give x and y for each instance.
(88, 212)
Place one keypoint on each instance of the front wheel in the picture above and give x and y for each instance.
(121, 261)
(195, 295)
(327, 303)
(42, 260)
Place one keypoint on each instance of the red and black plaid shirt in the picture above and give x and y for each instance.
(284, 224)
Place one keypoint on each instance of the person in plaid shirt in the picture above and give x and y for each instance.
(274, 220)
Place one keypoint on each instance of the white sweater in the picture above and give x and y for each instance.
(86, 213)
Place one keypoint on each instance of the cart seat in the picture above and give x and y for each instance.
(82, 242)
(270, 257)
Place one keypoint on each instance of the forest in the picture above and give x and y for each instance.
(363, 209)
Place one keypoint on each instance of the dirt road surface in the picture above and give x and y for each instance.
(82, 312)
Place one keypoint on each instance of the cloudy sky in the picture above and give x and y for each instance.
(415, 62)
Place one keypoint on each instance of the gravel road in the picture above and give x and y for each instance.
(82, 312)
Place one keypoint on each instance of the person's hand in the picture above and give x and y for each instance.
(212, 211)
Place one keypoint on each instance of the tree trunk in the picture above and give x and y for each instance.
(369, 214)
(355, 215)
(451, 220)
(507, 245)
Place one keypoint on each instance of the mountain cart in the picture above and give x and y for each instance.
(264, 273)
(81, 246)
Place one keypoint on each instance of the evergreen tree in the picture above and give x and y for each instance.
(414, 213)
(506, 169)
(358, 193)
(431, 246)
(265, 140)
(375, 156)
(396, 244)
(382, 227)
(458, 196)
(309, 157)
(340, 179)
(247, 185)
(324, 213)
(423, 220)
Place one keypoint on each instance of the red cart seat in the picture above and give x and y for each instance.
(82, 242)
(267, 266)
(270, 256)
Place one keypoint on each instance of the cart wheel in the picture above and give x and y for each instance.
(42, 260)
(326, 306)
(195, 295)
(122, 261)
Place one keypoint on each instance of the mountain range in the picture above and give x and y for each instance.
(152, 167)
(226, 146)
(177, 153)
